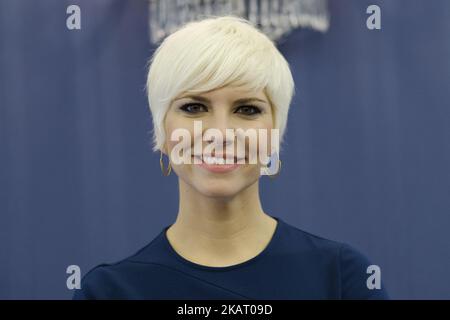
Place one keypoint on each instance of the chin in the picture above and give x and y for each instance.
(219, 190)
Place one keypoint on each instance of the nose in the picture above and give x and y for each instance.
(218, 124)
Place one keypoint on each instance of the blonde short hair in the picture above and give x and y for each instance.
(213, 53)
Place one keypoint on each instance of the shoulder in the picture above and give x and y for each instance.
(360, 278)
(106, 281)
(95, 284)
(354, 273)
(112, 280)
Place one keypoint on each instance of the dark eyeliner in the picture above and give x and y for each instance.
(256, 110)
(185, 108)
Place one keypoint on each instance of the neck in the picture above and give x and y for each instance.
(219, 231)
(219, 217)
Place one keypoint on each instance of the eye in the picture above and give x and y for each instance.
(249, 110)
(193, 108)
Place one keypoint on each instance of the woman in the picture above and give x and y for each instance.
(222, 73)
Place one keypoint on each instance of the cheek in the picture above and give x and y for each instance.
(176, 132)
(266, 138)
(270, 135)
(272, 139)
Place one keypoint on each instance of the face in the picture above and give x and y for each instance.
(217, 111)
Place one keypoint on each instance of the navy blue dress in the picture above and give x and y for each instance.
(294, 265)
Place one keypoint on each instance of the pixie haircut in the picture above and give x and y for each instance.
(213, 53)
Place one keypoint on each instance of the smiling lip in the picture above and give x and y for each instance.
(218, 168)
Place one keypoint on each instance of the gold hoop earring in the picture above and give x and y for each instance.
(161, 164)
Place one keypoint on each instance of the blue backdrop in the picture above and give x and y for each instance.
(366, 159)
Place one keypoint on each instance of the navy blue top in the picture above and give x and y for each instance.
(294, 265)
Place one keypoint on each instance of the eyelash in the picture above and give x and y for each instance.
(185, 107)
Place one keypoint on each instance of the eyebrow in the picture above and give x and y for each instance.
(206, 100)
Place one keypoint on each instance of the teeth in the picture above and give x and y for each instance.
(213, 160)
